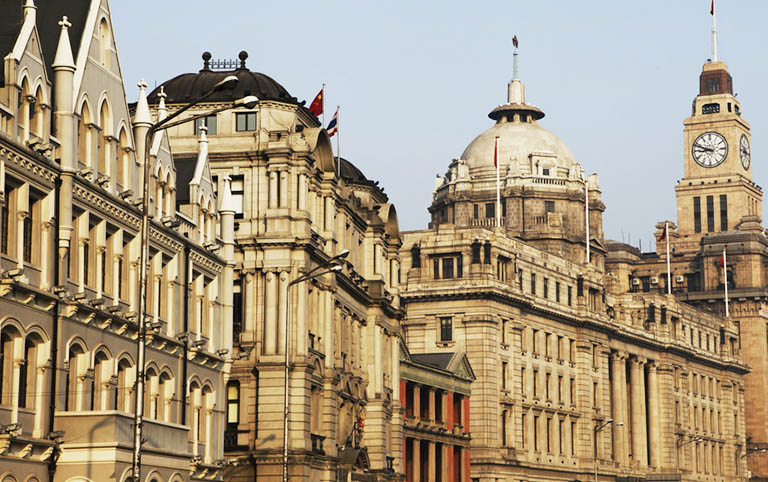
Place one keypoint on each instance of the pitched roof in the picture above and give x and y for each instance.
(49, 12)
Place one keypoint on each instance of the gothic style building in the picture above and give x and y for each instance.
(718, 239)
(298, 209)
(71, 162)
(577, 378)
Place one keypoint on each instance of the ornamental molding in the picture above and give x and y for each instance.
(29, 165)
(97, 200)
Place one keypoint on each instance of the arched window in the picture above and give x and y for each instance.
(151, 389)
(36, 114)
(105, 44)
(28, 372)
(7, 339)
(123, 157)
(26, 109)
(84, 140)
(125, 378)
(101, 377)
(74, 388)
(165, 400)
(194, 415)
(207, 429)
(104, 146)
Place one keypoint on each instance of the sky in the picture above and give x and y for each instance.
(416, 80)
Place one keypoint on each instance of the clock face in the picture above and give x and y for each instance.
(709, 149)
(746, 155)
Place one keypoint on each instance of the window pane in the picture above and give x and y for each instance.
(240, 122)
(210, 122)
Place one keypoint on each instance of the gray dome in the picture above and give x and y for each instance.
(517, 141)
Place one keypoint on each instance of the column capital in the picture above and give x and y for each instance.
(637, 360)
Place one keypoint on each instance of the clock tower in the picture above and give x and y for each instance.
(717, 190)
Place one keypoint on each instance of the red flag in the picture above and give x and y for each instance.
(663, 234)
(514, 39)
(722, 260)
(316, 107)
(712, 8)
(496, 152)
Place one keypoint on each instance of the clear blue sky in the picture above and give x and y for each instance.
(416, 80)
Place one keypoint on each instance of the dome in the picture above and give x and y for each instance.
(519, 135)
(187, 87)
(517, 141)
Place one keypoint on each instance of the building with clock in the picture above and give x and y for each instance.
(578, 376)
(717, 243)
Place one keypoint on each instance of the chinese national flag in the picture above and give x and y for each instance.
(316, 107)
(663, 234)
(722, 260)
(712, 8)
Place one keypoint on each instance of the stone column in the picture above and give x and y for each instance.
(416, 460)
(284, 188)
(654, 416)
(299, 314)
(432, 414)
(431, 459)
(637, 380)
(618, 387)
(416, 401)
(270, 318)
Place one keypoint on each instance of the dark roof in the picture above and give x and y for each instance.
(350, 173)
(187, 87)
(436, 360)
(49, 13)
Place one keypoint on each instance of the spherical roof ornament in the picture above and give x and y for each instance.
(242, 56)
(206, 61)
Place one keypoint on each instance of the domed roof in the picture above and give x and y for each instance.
(187, 87)
(517, 141)
(519, 135)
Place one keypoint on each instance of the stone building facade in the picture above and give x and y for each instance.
(298, 207)
(719, 208)
(71, 160)
(575, 379)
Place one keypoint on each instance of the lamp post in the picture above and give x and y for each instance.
(683, 444)
(750, 451)
(333, 265)
(227, 83)
(599, 429)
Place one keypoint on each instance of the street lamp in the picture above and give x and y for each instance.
(683, 444)
(333, 265)
(599, 429)
(228, 83)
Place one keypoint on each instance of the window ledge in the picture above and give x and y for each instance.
(445, 343)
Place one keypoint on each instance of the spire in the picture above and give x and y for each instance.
(162, 112)
(30, 9)
(63, 58)
(141, 116)
(202, 157)
(514, 58)
(227, 203)
(714, 31)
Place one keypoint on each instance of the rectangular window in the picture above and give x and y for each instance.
(503, 375)
(710, 214)
(475, 211)
(237, 186)
(697, 214)
(549, 206)
(723, 212)
(490, 210)
(446, 328)
(536, 432)
(572, 391)
(436, 266)
(209, 122)
(547, 383)
(245, 121)
(557, 291)
(487, 253)
(535, 383)
(4, 227)
(546, 287)
(27, 239)
(573, 438)
(533, 283)
(525, 430)
(570, 299)
(447, 268)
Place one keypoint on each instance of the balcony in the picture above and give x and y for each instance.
(116, 427)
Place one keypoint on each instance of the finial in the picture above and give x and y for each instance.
(63, 58)
(162, 95)
(141, 116)
(29, 7)
(142, 85)
(162, 112)
(206, 61)
(203, 129)
(64, 23)
(242, 56)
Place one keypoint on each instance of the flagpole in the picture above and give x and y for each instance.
(498, 182)
(586, 214)
(322, 100)
(725, 282)
(338, 139)
(714, 32)
(669, 271)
